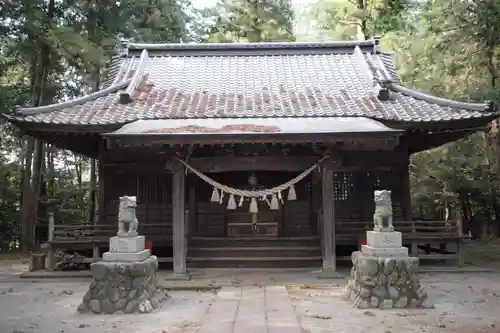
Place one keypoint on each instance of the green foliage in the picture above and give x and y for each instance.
(449, 49)
(157, 21)
(53, 50)
(9, 205)
(359, 19)
(249, 21)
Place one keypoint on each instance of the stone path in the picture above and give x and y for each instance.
(251, 310)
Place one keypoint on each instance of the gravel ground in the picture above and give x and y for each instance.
(464, 303)
(50, 307)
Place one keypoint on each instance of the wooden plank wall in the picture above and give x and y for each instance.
(353, 195)
(154, 201)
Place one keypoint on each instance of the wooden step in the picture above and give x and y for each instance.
(206, 242)
(242, 251)
(254, 262)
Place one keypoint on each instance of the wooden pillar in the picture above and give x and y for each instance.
(101, 180)
(316, 202)
(405, 187)
(328, 233)
(96, 252)
(51, 260)
(193, 228)
(179, 220)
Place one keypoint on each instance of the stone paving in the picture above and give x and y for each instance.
(251, 310)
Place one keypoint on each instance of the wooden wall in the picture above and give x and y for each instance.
(354, 184)
(353, 194)
(294, 217)
(154, 200)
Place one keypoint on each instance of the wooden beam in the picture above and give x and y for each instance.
(216, 139)
(250, 163)
(136, 167)
(328, 236)
(178, 220)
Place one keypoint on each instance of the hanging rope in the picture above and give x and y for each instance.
(253, 194)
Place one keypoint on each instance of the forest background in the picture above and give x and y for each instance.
(54, 50)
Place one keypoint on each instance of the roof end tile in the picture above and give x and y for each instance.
(126, 96)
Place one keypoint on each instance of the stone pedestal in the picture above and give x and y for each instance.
(385, 244)
(129, 249)
(384, 276)
(125, 280)
(123, 286)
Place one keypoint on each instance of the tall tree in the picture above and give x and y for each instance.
(250, 21)
(58, 49)
(359, 19)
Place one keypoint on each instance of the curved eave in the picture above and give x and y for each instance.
(32, 126)
(471, 123)
(480, 114)
(488, 107)
(19, 113)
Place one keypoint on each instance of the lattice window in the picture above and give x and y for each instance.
(153, 189)
(343, 186)
(381, 180)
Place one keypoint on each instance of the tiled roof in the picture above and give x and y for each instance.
(252, 80)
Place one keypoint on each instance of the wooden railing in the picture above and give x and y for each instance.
(95, 236)
(426, 239)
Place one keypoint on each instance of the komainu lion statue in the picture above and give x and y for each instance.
(126, 215)
(382, 219)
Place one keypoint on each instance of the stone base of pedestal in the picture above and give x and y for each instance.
(385, 251)
(328, 274)
(178, 277)
(126, 256)
(385, 282)
(123, 286)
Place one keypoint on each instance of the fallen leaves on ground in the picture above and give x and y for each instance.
(321, 317)
(475, 330)
(184, 327)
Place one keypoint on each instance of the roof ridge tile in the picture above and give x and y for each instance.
(251, 46)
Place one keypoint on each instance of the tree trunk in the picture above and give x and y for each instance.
(27, 197)
(363, 24)
(37, 183)
(40, 68)
(96, 82)
(492, 67)
(78, 170)
(50, 174)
